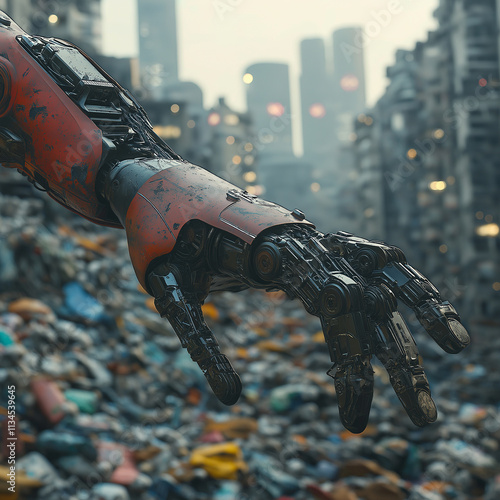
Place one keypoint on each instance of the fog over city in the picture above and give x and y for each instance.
(219, 38)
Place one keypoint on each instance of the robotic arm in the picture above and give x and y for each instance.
(75, 132)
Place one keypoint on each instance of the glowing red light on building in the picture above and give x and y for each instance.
(317, 110)
(213, 119)
(483, 82)
(275, 109)
(349, 83)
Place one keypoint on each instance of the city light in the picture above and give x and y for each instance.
(489, 218)
(275, 109)
(248, 147)
(175, 108)
(231, 120)
(437, 186)
(249, 160)
(256, 190)
(250, 177)
(438, 134)
(369, 213)
(317, 110)
(483, 82)
(230, 140)
(412, 154)
(236, 159)
(479, 215)
(443, 248)
(315, 187)
(248, 78)
(53, 19)
(168, 131)
(367, 120)
(349, 83)
(191, 124)
(213, 119)
(496, 286)
(488, 230)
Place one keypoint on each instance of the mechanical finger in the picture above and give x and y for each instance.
(296, 261)
(384, 264)
(181, 306)
(345, 331)
(440, 319)
(396, 349)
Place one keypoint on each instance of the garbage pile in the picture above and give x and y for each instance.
(109, 407)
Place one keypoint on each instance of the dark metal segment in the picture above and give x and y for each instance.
(183, 311)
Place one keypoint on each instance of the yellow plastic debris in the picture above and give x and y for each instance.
(319, 337)
(86, 243)
(29, 308)
(150, 303)
(210, 311)
(23, 482)
(221, 461)
(271, 345)
(242, 353)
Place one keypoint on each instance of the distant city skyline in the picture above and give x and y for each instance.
(218, 39)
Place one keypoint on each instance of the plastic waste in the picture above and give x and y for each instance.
(81, 304)
(60, 444)
(50, 399)
(221, 461)
(106, 491)
(86, 401)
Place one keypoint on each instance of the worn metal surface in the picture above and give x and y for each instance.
(184, 192)
(63, 147)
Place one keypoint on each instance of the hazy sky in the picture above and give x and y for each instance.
(219, 38)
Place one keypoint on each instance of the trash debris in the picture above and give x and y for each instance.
(104, 391)
(221, 461)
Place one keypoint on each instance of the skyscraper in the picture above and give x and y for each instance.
(157, 45)
(316, 101)
(348, 95)
(348, 70)
(268, 101)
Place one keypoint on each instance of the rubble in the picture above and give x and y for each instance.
(109, 407)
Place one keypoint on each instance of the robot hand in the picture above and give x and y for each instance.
(75, 132)
(351, 284)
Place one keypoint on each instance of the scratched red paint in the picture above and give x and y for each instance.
(59, 137)
(186, 192)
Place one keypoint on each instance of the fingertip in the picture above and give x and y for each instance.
(357, 426)
(227, 387)
(461, 334)
(427, 406)
(425, 411)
